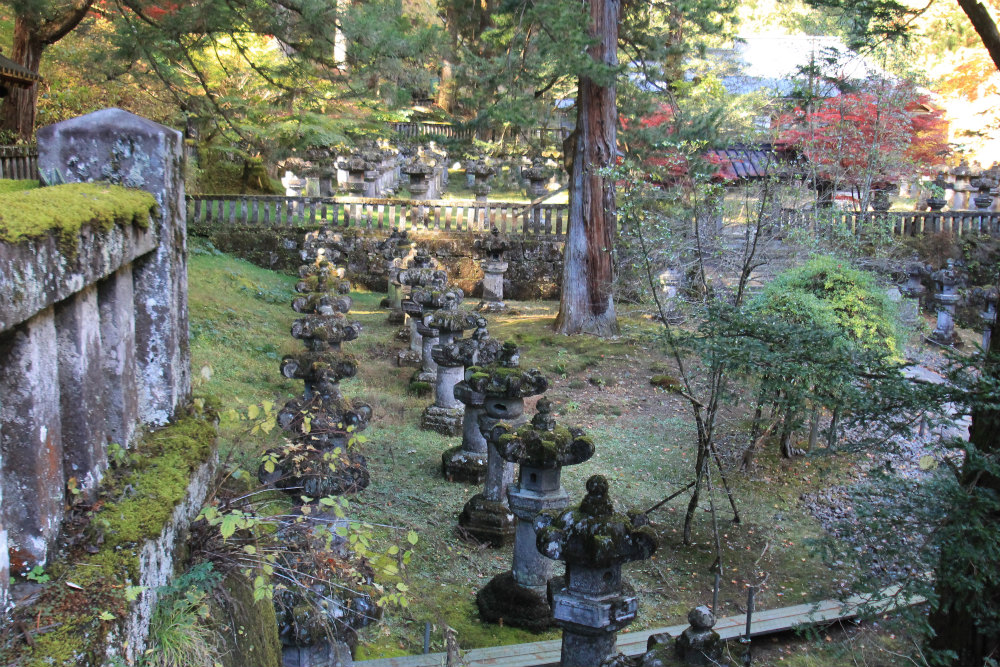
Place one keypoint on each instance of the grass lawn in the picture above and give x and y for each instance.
(240, 321)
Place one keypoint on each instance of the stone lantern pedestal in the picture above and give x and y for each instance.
(592, 603)
(519, 597)
(487, 516)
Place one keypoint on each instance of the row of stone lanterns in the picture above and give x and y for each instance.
(592, 602)
(947, 281)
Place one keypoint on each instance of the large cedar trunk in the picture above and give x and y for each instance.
(587, 304)
(18, 111)
(955, 619)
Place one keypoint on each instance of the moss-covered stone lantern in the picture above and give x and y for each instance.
(467, 462)
(504, 386)
(592, 603)
(450, 322)
(518, 597)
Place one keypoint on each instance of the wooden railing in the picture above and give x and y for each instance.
(379, 214)
(898, 223)
(419, 129)
(518, 218)
(19, 163)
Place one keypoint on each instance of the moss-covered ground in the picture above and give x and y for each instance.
(644, 437)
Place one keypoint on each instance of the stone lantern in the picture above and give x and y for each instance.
(947, 298)
(355, 166)
(880, 202)
(519, 597)
(592, 603)
(537, 176)
(467, 462)
(699, 645)
(450, 322)
(504, 386)
(321, 420)
(494, 264)
(391, 251)
(432, 280)
(482, 170)
(325, 169)
(988, 316)
(912, 292)
(420, 174)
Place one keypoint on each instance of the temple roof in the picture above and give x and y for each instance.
(15, 74)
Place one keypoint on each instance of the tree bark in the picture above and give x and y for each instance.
(587, 304)
(31, 36)
(985, 27)
(966, 586)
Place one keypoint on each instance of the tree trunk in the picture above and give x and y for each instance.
(967, 587)
(587, 304)
(985, 27)
(32, 33)
(17, 114)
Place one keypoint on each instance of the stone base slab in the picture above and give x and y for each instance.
(489, 521)
(492, 307)
(460, 465)
(408, 359)
(446, 421)
(505, 602)
(424, 376)
(396, 317)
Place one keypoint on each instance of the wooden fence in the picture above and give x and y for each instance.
(428, 129)
(516, 218)
(898, 223)
(378, 214)
(19, 163)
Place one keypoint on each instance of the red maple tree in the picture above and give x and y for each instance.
(861, 140)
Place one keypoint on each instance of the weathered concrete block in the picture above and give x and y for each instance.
(31, 443)
(81, 390)
(119, 147)
(115, 298)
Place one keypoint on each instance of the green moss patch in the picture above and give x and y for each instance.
(135, 504)
(16, 186)
(64, 209)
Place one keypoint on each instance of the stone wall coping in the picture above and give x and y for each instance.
(37, 273)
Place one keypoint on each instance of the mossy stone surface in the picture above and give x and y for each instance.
(145, 496)
(65, 209)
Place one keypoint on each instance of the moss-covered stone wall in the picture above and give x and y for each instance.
(534, 263)
(102, 587)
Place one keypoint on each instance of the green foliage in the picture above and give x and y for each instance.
(827, 293)
(179, 635)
